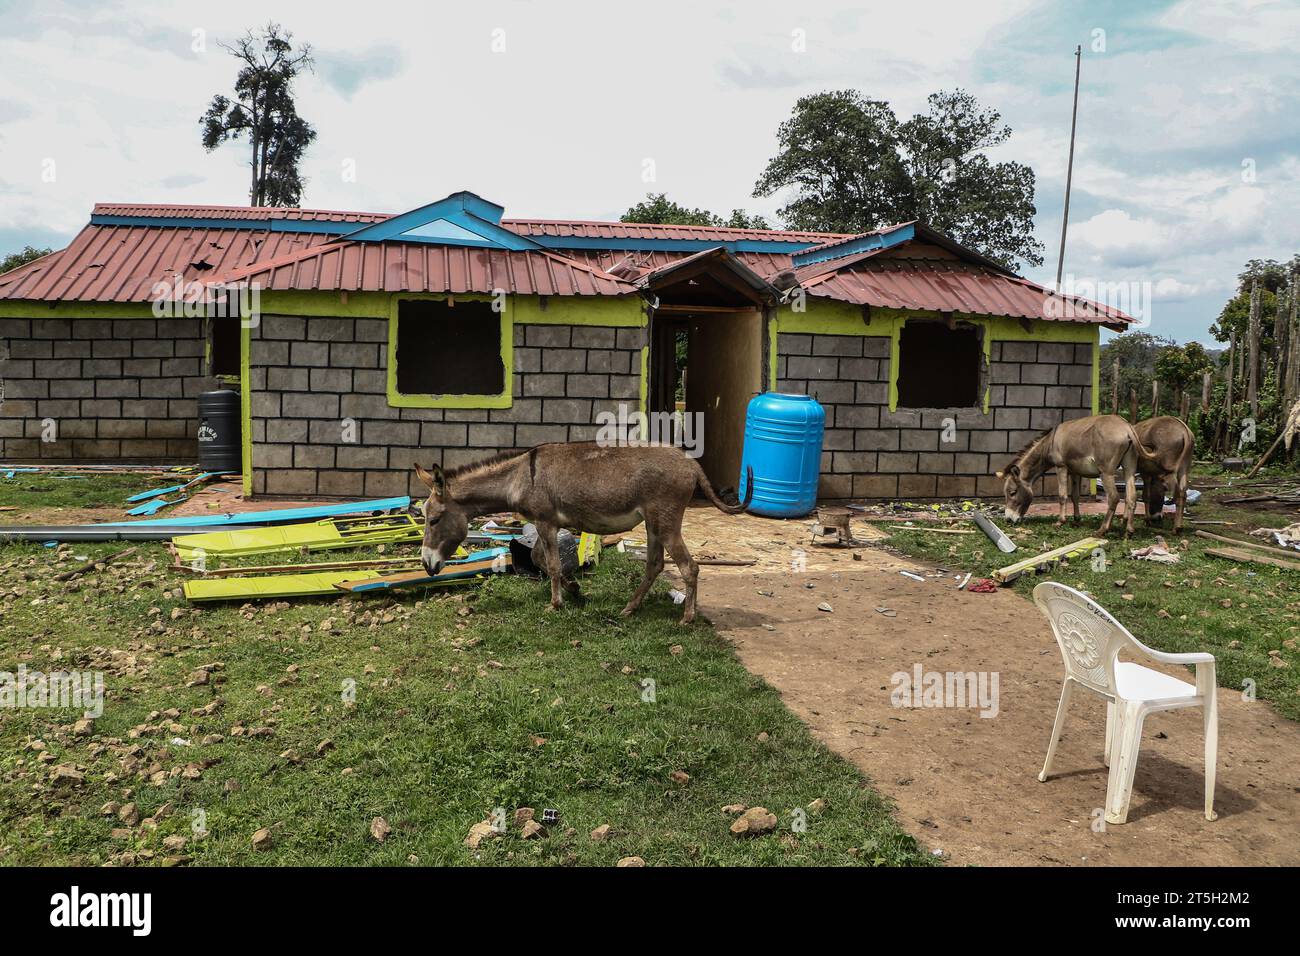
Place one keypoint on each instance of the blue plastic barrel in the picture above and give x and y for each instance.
(783, 444)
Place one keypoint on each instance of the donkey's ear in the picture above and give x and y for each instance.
(435, 481)
(1014, 471)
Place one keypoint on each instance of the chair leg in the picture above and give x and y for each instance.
(1211, 749)
(1057, 727)
(1119, 786)
(1110, 731)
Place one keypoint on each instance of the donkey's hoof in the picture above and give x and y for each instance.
(688, 617)
(627, 611)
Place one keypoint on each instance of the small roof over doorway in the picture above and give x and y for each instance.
(714, 278)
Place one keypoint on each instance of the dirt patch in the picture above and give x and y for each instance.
(966, 784)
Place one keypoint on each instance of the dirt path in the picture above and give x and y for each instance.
(966, 784)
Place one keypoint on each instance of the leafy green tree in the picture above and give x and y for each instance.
(1137, 353)
(854, 167)
(838, 151)
(263, 109)
(658, 208)
(1181, 367)
(21, 258)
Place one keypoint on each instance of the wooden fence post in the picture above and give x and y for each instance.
(1155, 397)
(1252, 376)
(1206, 380)
(1114, 389)
(1133, 405)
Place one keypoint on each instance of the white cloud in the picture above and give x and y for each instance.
(1255, 24)
(561, 122)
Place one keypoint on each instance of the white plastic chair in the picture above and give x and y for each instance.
(1090, 641)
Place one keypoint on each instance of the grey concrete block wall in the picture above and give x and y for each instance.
(870, 452)
(116, 389)
(322, 424)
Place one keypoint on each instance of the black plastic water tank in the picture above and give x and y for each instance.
(220, 449)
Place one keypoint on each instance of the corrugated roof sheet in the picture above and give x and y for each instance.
(764, 263)
(425, 267)
(166, 211)
(124, 263)
(581, 229)
(945, 285)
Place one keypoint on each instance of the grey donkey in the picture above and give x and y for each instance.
(582, 485)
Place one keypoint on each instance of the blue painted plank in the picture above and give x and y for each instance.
(273, 516)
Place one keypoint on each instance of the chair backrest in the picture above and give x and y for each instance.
(1089, 638)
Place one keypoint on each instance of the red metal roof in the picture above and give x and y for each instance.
(166, 211)
(948, 285)
(635, 230)
(124, 263)
(766, 264)
(579, 228)
(426, 267)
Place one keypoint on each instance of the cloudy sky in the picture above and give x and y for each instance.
(1188, 161)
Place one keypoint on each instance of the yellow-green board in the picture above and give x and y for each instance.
(330, 534)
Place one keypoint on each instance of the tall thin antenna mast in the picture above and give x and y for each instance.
(1069, 169)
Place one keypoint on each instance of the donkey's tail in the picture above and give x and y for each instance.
(1147, 455)
(718, 503)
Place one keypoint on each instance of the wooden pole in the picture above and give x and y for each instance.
(1206, 380)
(1114, 389)
(1184, 405)
(1279, 343)
(1291, 391)
(1155, 397)
(1252, 376)
(1133, 406)
(1069, 166)
(1227, 405)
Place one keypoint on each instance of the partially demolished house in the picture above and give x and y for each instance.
(365, 342)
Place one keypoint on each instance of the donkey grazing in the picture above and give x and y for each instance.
(604, 490)
(1097, 446)
(1167, 474)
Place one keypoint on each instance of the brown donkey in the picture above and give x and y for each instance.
(1095, 447)
(1174, 445)
(604, 490)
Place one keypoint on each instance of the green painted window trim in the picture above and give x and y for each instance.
(246, 405)
(837, 318)
(41, 309)
(502, 399)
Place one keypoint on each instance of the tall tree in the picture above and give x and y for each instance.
(854, 167)
(263, 109)
(658, 208)
(839, 152)
(21, 258)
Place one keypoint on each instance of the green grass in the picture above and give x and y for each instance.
(30, 491)
(453, 690)
(1237, 612)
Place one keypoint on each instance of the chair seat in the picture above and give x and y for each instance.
(1135, 682)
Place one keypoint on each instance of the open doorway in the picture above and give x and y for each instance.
(707, 366)
(706, 353)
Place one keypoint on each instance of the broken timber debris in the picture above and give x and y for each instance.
(1042, 561)
(491, 561)
(109, 559)
(1242, 556)
(1253, 545)
(330, 534)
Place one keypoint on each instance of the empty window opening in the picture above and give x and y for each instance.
(224, 342)
(449, 350)
(939, 367)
